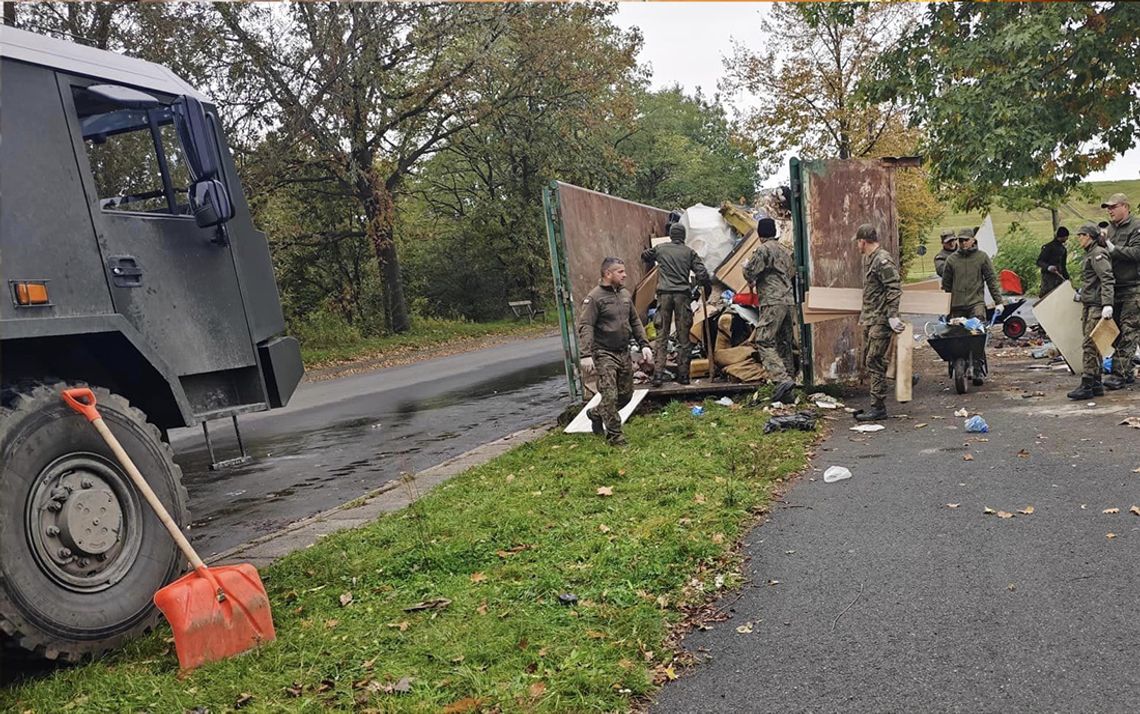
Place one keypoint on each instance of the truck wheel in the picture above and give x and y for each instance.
(1014, 327)
(81, 553)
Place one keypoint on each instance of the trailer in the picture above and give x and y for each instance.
(129, 262)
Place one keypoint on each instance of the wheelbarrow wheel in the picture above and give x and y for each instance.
(1014, 328)
(959, 371)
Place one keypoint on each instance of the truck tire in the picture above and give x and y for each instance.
(81, 553)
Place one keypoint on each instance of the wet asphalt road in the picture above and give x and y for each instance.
(342, 438)
(888, 600)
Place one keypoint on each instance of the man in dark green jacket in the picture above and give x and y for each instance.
(1051, 260)
(949, 245)
(770, 269)
(967, 274)
(675, 261)
(1098, 295)
(1123, 243)
(606, 325)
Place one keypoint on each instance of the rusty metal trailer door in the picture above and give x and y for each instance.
(830, 199)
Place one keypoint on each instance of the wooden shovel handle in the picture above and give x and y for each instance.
(82, 400)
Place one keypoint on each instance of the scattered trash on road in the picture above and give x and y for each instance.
(567, 598)
(866, 428)
(836, 473)
(697, 411)
(725, 402)
(977, 425)
(1133, 422)
(962, 413)
(803, 421)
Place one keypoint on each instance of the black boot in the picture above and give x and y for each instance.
(596, 424)
(1097, 386)
(657, 380)
(1085, 391)
(875, 413)
(1113, 382)
(683, 376)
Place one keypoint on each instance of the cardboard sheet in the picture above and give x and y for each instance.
(904, 364)
(850, 300)
(581, 423)
(1103, 335)
(731, 272)
(645, 293)
(1060, 317)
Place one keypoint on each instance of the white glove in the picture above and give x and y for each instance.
(998, 309)
(1106, 312)
(647, 354)
(1077, 296)
(896, 324)
(587, 364)
(1110, 245)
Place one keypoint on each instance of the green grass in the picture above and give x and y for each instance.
(319, 349)
(500, 541)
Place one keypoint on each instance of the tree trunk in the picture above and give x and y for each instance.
(380, 209)
(1056, 220)
(10, 13)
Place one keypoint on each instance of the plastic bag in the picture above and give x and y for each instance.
(804, 421)
(835, 473)
(977, 425)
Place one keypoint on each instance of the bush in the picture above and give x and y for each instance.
(322, 329)
(1018, 252)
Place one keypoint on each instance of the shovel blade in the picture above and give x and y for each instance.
(206, 629)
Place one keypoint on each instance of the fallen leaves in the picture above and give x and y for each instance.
(537, 690)
(437, 603)
(401, 626)
(921, 425)
(512, 550)
(968, 457)
(462, 706)
(745, 629)
(345, 599)
(1004, 514)
(699, 498)
(953, 505)
(1111, 511)
(1133, 422)
(1023, 454)
(1027, 511)
(243, 699)
(478, 577)
(605, 490)
(604, 528)
(1135, 510)
(1110, 536)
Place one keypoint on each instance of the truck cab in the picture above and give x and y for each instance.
(129, 262)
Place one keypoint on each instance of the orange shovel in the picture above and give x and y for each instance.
(215, 612)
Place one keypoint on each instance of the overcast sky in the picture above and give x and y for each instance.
(686, 41)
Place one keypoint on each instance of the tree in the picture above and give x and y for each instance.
(369, 90)
(807, 85)
(805, 77)
(1017, 101)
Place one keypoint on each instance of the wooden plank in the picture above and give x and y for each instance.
(917, 302)
(731, 272)
(811, 317)
(1060, 317)
(928, 284)
(645, 293)
(581, 423)
(1103, 335)
(904, 364)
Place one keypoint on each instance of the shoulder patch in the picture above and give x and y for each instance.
(885, 261)
(586, 301)
(1101, 256)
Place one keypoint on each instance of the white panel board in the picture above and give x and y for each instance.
(1060, 317)
(581, 423)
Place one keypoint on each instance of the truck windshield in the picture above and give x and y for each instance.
(136, 158)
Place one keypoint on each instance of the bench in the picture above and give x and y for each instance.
(525, 308)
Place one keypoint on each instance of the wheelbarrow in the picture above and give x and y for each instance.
(1012, 326)
(964, 352)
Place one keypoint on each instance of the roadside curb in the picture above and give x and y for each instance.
(392, 496)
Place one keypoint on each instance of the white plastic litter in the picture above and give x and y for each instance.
(708, 234)
(826, 405)
(962, 413)
(865, 428)
(725, 402)
(836, 473)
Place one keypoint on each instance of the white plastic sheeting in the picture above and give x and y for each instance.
(708, 234)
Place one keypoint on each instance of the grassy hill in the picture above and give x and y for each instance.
(1021, 250)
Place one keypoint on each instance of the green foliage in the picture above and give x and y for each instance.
(1018, 249)
(500, 542)
(1020, 100)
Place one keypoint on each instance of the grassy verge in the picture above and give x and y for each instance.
(425, 333)
(501, 543)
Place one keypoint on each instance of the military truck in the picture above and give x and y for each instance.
(129, 263)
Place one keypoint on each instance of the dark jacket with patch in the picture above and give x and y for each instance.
(1053, 253)
(966, 276)
(608, 321)
(1097, 280)
(675, 261)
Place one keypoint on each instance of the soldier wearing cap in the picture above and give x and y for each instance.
(1097, 296)
(607, 323)
(1123, 243)
(966, 276)
(770, 269)
(949, 245)
(882, 292)
(674, 261)
(1052, 260)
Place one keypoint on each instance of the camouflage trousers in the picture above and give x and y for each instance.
(876, 344)
(615, 384)
(1090, 357)
(1126, 312)
(673, 307)
(774, 341)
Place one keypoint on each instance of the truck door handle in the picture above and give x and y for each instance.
(125, 271)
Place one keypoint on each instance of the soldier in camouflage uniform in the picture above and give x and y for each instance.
(607, 323)
(1123, 243)
(1097, 295)
(770, 269)
(882, 291)
(949, 245)
(675, 261)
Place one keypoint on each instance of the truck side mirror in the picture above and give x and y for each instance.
(210, 202)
